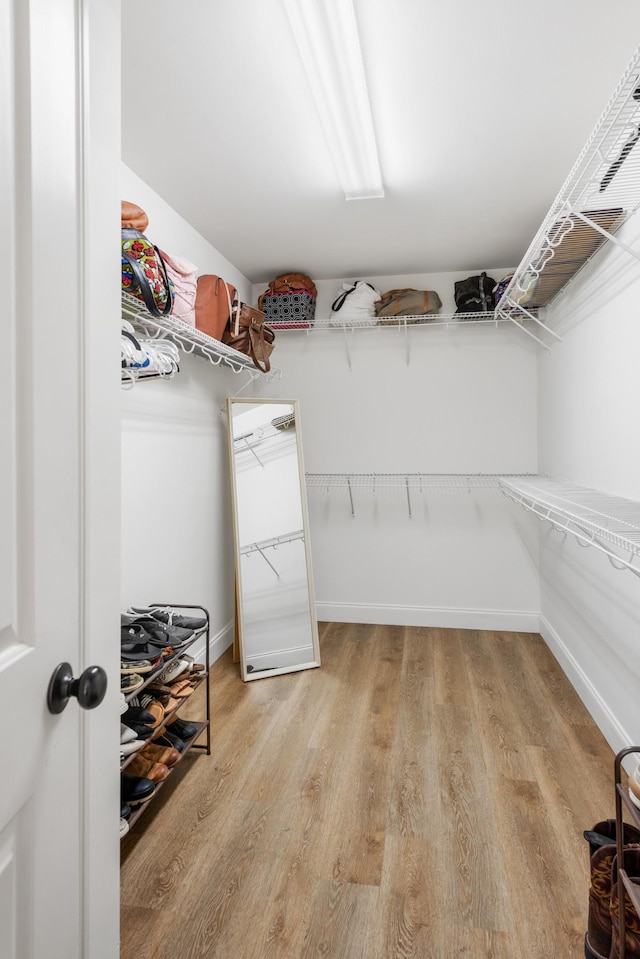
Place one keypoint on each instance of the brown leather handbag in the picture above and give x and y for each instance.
(133, 216)
(214, 303)
(249, 334)
(290, 283)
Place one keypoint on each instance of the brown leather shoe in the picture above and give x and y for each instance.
(160, 754)
(156, 772)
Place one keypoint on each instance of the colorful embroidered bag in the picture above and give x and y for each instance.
(144, 274)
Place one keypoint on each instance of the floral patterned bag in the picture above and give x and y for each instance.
(144, 274)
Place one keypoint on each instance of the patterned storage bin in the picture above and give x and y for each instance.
(289, 311)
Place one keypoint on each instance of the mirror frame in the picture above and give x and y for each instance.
(248, 676)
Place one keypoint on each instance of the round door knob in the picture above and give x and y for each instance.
(89, 689)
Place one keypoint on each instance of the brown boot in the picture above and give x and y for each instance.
(631, 917)
(602, 848)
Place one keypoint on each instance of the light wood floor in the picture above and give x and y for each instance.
(422, 794)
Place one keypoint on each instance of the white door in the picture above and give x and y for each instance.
(59, 474)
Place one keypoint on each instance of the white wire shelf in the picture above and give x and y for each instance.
(609, 523)
(600, 193)
(419, 481)
(188, 338)
(399, 322)
(403, 324)
(409, 482)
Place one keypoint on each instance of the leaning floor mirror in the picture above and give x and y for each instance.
(277, 627)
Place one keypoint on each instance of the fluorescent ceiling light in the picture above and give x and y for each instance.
(327, 37)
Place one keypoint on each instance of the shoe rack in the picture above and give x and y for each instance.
(624, 804)
(204, 726)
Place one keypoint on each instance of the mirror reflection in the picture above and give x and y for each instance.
(277, 625)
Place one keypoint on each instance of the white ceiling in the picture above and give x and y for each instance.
(480, 111)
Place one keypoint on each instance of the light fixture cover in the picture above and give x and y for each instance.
(327, 37)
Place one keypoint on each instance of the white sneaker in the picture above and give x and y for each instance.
(124, 827)
(127, 734)
(131, 747)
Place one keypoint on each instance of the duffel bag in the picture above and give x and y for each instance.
(475, 294)
(407, 302)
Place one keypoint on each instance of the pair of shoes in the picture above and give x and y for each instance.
(154, 632)
(181, 728)
(156, 753)
(166, 738)
(130, 682)
(138, 666)
(131, 747)
(136, 713)
(167, 614)
(148, 769)
(602, 937)
(135, 790)
(177, 667)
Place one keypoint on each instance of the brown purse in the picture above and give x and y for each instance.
(133, 217)
(290, 283)
(214, 304)
(249, 334)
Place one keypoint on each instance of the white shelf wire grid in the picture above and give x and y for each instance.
(188, 338)
(609, 523)
(409, 482)
(600, 193)
(419, 481)
(399, 322)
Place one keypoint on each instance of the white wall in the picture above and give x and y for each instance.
(176, 527)
(588, 433)
(466, 403)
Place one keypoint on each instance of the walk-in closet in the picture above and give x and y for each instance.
(376, 568)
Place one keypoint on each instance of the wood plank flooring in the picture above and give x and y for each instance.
(422, 795)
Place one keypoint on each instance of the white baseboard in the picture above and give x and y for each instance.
(218, 643)
(508, 620)
(600, 711)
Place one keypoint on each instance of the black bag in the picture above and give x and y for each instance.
(475, 294)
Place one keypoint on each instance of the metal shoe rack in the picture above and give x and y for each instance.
(201, 727)
(624, 881)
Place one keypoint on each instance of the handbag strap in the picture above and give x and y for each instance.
(256, 332)
(339, 302)
(237, 302)
(143, 283)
